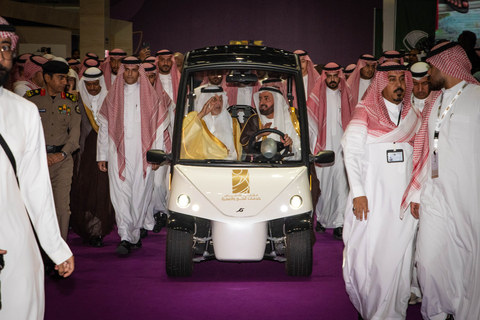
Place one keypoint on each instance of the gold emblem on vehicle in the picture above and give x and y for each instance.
(240, 181)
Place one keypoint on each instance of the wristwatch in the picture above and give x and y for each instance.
(64, 154)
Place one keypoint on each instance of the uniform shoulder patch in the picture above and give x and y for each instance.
(31, 93)
(72, 97)
(77, 109)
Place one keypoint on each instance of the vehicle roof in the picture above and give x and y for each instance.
(238, 54)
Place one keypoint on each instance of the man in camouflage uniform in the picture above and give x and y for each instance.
(61, 125)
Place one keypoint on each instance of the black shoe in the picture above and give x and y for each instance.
(123, 247)
(319, 228)
(97, 242)
(158, 222)
(359, 316)
(450, 317)
(143, 233)
(337, 233)
(164, 220)
(137, 245)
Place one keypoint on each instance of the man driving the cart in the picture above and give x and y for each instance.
(273, 112)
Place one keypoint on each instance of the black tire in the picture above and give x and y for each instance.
(179, 253)
(298, 252)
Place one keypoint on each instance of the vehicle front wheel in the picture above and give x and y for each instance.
(298, 252)
(179, 253)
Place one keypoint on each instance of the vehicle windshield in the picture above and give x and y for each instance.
(226, 114)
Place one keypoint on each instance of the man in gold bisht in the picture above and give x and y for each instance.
(210, 132)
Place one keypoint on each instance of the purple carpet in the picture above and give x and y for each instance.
(106, 286)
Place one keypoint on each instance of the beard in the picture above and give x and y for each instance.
(333, 85)
(4, 74)
(399, 95)
(436, 85)
(265, 111)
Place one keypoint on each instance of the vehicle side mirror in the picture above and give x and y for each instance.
(323, 157)
(158, 156)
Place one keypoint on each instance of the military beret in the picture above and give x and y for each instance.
(53, 67)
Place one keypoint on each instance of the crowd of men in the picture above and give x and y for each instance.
(405, 134)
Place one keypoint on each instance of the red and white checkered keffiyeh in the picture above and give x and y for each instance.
(88, 63)
(354, 79)
(117, 54)
(31, 68)
(174, 73)
(391, 55)
(8, 34)
(317, 105)
(454, 62)
(372, 112)
(167, 101)
(153, 115)
(313, 75)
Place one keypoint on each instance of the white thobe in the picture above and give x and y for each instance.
(23, 294)
(244, 95)
(378, 250)
(330, 208)
(415, 286)
(305, 86)
(113, 77)
(448, 247)
(21, 87)
(166, 80)
(362, 87)
(131, 197)
(167, 84)
(419, 103)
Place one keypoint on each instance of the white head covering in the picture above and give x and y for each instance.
(419, 70)
(220, 125)
(281, 118)
(73, 74)
(48, 56)
(94, 103)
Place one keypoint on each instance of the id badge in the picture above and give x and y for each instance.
(394, 156)
(434, 165)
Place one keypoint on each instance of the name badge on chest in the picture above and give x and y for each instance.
(42, 110)
(394, 155)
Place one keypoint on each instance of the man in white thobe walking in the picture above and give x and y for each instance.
(378, 157)
(330, 108)
(445, 187)
(132, 120)
(26, 204)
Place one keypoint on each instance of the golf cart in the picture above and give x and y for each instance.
(253, 206)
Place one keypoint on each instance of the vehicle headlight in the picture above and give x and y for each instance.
(183, 201)
(296, 202)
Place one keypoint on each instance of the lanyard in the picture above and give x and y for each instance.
(440, 119)
(400, 115)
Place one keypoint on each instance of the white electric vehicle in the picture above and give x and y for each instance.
(257, 205)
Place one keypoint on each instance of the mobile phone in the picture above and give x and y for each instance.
(145, 45)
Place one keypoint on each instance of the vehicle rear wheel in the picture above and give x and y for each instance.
(298, 252)
(179, 253)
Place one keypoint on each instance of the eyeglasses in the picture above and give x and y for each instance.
(7, 52)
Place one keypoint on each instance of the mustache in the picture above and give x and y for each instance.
(399, 91)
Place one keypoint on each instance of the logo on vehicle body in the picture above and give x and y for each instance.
(240, 181)
(240, 188)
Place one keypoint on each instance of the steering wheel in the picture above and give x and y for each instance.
(254, 147)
